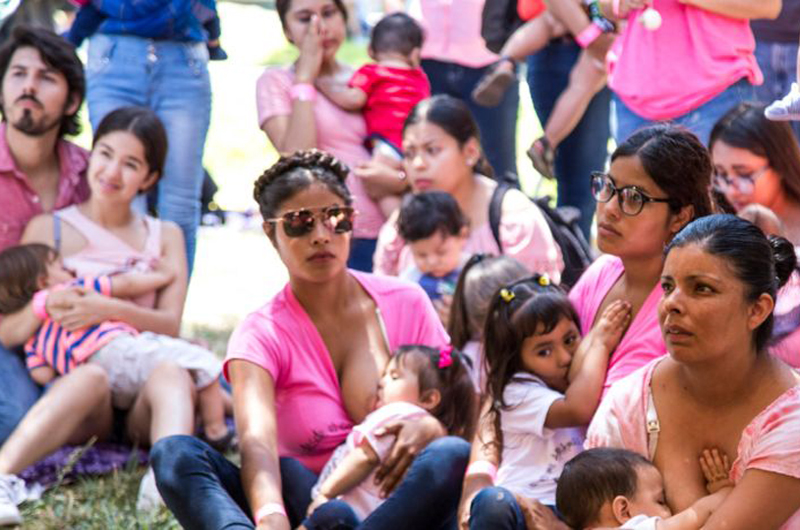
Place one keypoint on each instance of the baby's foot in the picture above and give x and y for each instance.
(715, 466)
(543, 157)
(787, 108)
(493, 85)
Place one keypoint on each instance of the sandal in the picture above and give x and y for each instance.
(493, 85)
(543, 157)
(224, 444)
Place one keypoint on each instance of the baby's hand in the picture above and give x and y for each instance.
(612, 324)
(715, 466)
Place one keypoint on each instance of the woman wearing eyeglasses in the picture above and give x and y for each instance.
(757, 160)
(305, 369)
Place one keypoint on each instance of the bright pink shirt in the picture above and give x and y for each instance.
(339, 132)
(280, 338)
(19, 203)
(690, 59)
(453, 32)
(391, 94)
(642, 341)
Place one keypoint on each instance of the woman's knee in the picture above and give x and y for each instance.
(493, 504)
(444, 462)
(174, 457)
(333, 515)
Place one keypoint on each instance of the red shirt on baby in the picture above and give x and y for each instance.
(391, 94)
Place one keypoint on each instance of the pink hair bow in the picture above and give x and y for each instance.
(445, 356)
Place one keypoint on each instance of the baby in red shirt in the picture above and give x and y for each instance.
(386, 90)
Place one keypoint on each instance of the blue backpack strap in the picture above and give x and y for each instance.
(57, 233)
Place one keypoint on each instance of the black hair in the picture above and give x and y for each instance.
(763, 264)
(746, 127)
(593, 478)
(521, 309)
(283, 6)
(677, 162)
(21, 269)
(296, 172)
(480, 278)
(454, 117)
(56, 53)
(145, 125)
(458, 406)
(427, 213)
(396, 33)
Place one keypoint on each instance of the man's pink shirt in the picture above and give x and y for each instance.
(19, 203)
(282, 339)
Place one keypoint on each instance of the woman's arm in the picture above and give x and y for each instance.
(254, 411)
(484, 449)
(744, 9)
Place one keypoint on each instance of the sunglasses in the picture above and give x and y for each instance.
(337, 219)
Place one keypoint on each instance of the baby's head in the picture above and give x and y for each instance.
(396, 36)
(605, 487)
(435, 229)
(762, 217)
(25, 269)
(436, 380)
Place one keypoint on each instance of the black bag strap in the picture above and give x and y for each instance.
(496, 211)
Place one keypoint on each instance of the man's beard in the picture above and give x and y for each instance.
(27, 125)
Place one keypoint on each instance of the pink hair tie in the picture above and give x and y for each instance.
(445, 357)
(271, 508)
(39, 304)
(482, 467)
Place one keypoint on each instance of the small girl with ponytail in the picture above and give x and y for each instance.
(543, 382)
(418, 380)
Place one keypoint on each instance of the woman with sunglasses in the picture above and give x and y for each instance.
(757, 160)
(305, 369)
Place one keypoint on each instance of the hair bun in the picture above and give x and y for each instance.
(785, 258)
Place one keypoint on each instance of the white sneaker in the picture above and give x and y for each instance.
(12, 493)
(787, 108)
(149, 499)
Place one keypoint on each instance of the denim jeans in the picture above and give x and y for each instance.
(778, 62)
(204, 490)
(19, 392)
(586, 148)
(498, 125)
(172, 79)
(700, 120)
(496, 508)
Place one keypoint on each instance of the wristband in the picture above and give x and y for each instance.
(615, 8)
(303, 92)
(40, 304)
(482, 467)
(271, 508)
(588, 35)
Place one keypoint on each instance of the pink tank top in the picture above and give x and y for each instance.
(107, 254)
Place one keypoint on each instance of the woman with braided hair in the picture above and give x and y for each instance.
(305, 368)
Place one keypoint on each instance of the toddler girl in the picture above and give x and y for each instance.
(436, 231)
(418, 380)
(617, 488)
(31, 272)
(543, 383)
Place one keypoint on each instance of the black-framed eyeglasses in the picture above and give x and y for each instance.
(631, 198)
(338, 219)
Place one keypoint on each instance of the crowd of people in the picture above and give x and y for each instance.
(427, 365)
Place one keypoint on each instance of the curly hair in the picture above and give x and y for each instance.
(296, 172)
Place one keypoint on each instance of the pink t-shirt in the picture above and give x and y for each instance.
(524, 232)
(642, 342)
(281, 338)
(690, 59)
(453, 32)
(768, 443)
(339, 132)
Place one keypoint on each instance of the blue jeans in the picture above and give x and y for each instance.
(172, 79)
(700, 120)
(19, 392)
(496, 508)
(778, 62)
(586, 148)
(204, 490)
(498, 125)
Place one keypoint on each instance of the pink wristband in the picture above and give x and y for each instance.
(40, 304)
(588, 35)
(615, 8)
(303, 92)
(483, 467)
(271, 508)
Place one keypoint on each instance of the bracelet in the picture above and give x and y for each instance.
(615, 8)
(482, 467)
(588, 35)
(271, 508)
(40, 304)
(303, 92)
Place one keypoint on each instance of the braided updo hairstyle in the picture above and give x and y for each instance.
(296, 172)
